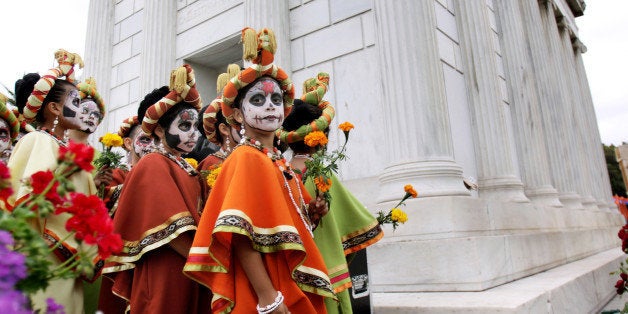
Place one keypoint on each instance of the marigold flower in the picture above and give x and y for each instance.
(212, 176)
(398, 215)
(111, 140)
(322, 184)
(316, 138)
(192, 162)
(346, 126)
(410, 190)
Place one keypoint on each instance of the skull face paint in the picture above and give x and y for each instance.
(71, 108)
(5, 136)
(262, 106)
(88, 116)
(182, 134)
(143, 143)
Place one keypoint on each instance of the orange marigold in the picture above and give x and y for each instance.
(346, 126)
(316, 138)
(322, 184)
(410, 190)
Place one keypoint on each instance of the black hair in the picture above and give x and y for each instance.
(302, 113)
(149, 100)
(23, 88)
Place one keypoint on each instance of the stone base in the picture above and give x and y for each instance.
(582, 286)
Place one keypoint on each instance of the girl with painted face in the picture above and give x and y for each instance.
(158, 209)
(43, 100)
(9, 129)
(254, 247)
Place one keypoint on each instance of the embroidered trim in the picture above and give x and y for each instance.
(179, 161)
(362, 240)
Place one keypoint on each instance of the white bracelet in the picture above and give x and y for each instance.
(271, 307)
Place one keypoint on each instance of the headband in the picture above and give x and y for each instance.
(87, 89)
(259, 48)
(313, 91)
(126, 126)
(66, 62)
(182, 88)
(9, 117)
(209, 115)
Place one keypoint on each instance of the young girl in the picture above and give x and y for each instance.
(254, 247)
(158, 209)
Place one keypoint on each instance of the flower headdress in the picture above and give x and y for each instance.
(259, 48)
(182, 88)
(66, 61)
(127, 125)
(9, 117)
(87, 89)
(313, 91)
(209, 116)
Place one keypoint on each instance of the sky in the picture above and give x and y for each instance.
(34, 29)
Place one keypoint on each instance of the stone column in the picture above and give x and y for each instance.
(158, 46)
(549, 99)
(497, 174)
(419, 146)
(604, 197)
(582, 128)
(570, 157)
(525, 107)
(98, 47)
(275, 15)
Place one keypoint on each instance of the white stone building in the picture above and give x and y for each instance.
(439, 90)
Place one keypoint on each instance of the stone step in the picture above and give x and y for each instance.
(582, 286)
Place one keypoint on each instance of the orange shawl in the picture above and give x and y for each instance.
(250, 198)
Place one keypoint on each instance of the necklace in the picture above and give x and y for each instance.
(220, 154)
(62, 142)
(288, 174)
(179, 161)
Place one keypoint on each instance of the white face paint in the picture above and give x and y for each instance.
(88, 116)
(143, 143)
(5, 136)
(182, 133)
(71, 108)
(262, 106)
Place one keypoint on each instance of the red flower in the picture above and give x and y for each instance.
(79, 154)
(40, 180)
(5, 182)
(91, 223)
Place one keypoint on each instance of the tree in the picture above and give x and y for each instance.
(614, 172)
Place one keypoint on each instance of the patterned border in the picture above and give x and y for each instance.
(359, 241)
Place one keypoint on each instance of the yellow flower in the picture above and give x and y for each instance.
(192, 162)
(316, 138)
(322, 184)
(346, 126)
(410, 190)
(212, 176)
(398, 215)
(111, 140)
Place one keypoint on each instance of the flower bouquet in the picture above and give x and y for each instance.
(109, 159)
(395, 216)
(25, 267)
(321, 164)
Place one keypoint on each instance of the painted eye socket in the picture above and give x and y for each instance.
(277, 99)
(4, 133)
(76, 102)
(257, 99)
(145, 140)
(185, 126)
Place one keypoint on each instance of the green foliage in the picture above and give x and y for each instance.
(614, 172)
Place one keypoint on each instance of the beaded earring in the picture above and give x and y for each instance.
(54, 124)
(242, 137)
(228, 144)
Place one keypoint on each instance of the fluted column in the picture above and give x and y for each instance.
(604, 196)
(419, 145)
(495, 153)
(275, 15)
(569, 157)
(525, 107)
(98, 48)
(158, 47)
(582, 129)
(549, 98)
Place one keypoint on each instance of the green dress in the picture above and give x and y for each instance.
(347, 228)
